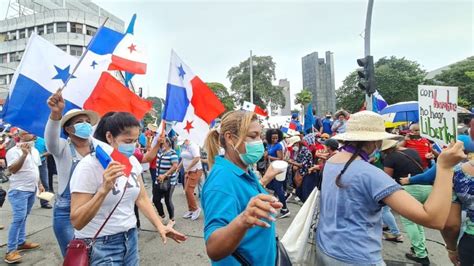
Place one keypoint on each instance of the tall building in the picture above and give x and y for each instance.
(318, 77)
(285, 84)
(68, 24)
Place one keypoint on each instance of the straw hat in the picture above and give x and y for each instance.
(152, 127)
(291, 141)
(387, 144)
(93, 116)
(365, 126)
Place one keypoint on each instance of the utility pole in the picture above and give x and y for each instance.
(251, 77)
(368, 21)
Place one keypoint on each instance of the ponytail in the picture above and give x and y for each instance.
(358, 147)
(211, 145)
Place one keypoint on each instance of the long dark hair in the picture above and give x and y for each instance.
(358, 146)
(116, 123)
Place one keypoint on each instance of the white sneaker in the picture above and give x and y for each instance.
(187, 214)
(196, 214)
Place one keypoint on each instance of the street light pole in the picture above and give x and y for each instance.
(251, 77)
(368, 22)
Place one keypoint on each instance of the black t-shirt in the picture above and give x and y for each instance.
(401, 164)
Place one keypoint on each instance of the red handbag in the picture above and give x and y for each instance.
(77, 253)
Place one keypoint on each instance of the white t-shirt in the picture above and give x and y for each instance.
(87, 178)
(188, 153)
(27, 178)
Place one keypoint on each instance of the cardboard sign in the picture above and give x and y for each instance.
(438, 113)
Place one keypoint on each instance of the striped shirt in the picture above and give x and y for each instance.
(165, 162)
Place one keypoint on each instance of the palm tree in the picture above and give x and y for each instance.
(303, 98)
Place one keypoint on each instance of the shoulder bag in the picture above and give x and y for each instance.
(78, 250)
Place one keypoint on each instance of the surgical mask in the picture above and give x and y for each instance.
(254, 152)
(377, 150)
(83, 130)
(127, 149)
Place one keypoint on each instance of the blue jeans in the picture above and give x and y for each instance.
(62, 226)
(21, 202)
(43, 171)
(277, 187)
(389, 220)
(153, 175)
(118, 249)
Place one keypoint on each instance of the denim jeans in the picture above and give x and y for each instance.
(416, 232)
(153, 175)
(43, 171)
(277, 187)
(389, 220)
(466, 250)
(62, 226)
(21, 202)
(118, 249)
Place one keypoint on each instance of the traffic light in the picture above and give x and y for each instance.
(366, 74)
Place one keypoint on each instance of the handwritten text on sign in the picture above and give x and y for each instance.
(438, 113)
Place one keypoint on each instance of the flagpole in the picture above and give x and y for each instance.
(83, 55)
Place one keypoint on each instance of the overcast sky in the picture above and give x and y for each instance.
(211, 37)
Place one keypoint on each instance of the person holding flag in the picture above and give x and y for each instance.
(76, 125)
(105, 187)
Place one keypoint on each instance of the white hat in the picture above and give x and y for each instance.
(388, 143)
(365, 126)
(291, 141)
(152, 127)
(93, 116)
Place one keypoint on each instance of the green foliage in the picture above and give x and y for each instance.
(223, 94)
(303, 97)
(151, 116)
(263, 75)
(397, 80)
(459, 75)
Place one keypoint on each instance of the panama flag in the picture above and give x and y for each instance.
(106, 154)
(45, 68)
(379, 102)
(189, 102)
(248, 106)
(289, 128)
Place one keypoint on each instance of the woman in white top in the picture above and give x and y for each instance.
(95, 192)
(191, 160)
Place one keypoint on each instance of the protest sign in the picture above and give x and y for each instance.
(438, 113)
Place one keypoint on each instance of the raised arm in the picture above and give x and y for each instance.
(52, 132)
(434, 212)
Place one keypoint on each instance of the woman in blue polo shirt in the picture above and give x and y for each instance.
(239, 213)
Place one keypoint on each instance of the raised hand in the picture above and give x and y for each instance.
(452, 155)
(56, 102)
(114, 170)
(260, 207)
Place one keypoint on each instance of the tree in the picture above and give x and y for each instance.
(303, 98)
(397, 80)
(264, 91)
(460, 75)
(151, 117)
(223, 94)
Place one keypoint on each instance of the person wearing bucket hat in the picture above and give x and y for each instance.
(353, 192)
(77, 125)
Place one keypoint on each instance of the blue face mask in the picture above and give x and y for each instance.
(254, 152)
(83, 130)
(127, 149)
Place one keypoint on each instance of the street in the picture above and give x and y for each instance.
(192, 252)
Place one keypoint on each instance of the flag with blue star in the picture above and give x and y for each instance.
(63, 73)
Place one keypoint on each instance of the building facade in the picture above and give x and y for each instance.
(68, 24)
(285, 85)
(318, 77)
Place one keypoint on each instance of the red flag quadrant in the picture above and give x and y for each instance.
(111, 95)
(206, 104)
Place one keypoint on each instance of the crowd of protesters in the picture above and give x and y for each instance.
(362, 172)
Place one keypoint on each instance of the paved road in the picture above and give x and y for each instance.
(192, 252)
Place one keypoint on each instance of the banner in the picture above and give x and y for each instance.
(438, 113)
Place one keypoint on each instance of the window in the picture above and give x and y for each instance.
(22, 34)
(90, 30)
(3, 79)
(76, 27)
(13, 57)
(62, 47)
(12, 35)
(30, 31)
(61, 27)
(49, 28)
(40, 30)
(76, 50)
(3, 58)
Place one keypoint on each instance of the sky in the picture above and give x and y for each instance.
(212, 37)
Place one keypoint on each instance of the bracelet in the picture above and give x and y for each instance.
(451, 251)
